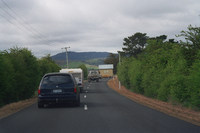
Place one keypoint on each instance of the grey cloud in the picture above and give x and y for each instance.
(92, 25)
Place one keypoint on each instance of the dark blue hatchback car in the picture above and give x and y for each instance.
(58, 88)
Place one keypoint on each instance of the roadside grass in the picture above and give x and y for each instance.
(17, 106)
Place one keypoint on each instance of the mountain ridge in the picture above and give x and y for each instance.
(80, 56)
(86, 57)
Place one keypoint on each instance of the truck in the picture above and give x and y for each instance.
(77, 73)
(94, 76)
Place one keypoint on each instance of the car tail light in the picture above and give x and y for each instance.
(38, 91)
(75, 90)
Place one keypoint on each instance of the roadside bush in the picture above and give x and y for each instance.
(85, 71)
(26, 72)
(165, 70)
(194, 83)
(154, 62)
(47, 65)
(6, 80)
(20, 73)
(135, 74)
(160, 72)
(122, 72)
(174, 86)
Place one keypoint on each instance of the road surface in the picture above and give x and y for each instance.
(102, 110)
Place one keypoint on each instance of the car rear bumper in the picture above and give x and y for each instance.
(52, 99)
(95, 78)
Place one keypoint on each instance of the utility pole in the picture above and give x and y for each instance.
(66, 56)
(119, 64)
(119, 58)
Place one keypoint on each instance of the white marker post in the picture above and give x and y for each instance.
(119, 85)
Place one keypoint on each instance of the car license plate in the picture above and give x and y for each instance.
(57, 91)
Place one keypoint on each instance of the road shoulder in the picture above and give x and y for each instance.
(15, 107)
(167, 108)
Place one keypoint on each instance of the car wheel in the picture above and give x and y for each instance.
(81, 90)
(40, 105)
(77, 103)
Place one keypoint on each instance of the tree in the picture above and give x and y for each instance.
(47, 65)
(193, 82)
(26, 72)
(112, 59)
(161, 38)
(192, 37)
(134, 45)
(123, 72)
(192, 44)
(6, 80)
(85, 71)
(20, 72)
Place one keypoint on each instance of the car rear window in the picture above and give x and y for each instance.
(56, 80)
(93, 72)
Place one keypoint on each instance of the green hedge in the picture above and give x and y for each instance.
(20, 73)
(162, 72)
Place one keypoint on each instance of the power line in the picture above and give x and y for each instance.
(22, 18)
(12, 22)
(20, 24)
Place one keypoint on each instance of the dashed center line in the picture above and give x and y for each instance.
(85, 107)
(85, 96)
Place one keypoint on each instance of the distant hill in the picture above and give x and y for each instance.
(91, 58)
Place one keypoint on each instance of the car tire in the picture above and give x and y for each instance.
(78, 102)
(40, 105)
(81, 90)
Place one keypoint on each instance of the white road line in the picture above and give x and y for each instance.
(85, 107)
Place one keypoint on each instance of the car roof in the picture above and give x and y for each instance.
(56, 73)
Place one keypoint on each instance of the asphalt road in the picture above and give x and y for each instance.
(102, 110)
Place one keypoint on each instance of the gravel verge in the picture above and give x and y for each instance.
(15, 107)
(177, 111)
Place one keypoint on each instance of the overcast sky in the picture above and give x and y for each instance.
(45, 26)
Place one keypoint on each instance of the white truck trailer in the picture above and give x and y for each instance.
(78, 75)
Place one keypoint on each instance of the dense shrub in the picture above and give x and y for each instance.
(20, 73)
(26, 72)
(162, 72)
(123, 72)
(166, 70)
(194, 82)
(6, 80)
(47, 65)
(85, 70)
(135, 74)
